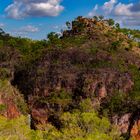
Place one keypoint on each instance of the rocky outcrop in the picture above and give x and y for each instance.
(123, 122)
(12, 103)
(97, 30)
(39, 118)
(72, 75)
(128, 124)
(8, 108)
(96, 85)
(12, 110)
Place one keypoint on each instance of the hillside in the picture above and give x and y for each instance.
(81, 85)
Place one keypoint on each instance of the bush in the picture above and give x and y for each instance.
(2, 108)
(4, 73)
(135, 93)
(87, 125)
(115, 103)
(1, 43)
(17, 129)
(12, 43)
(115, 45)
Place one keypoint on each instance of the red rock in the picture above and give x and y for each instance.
(135, 131)
(12, 111)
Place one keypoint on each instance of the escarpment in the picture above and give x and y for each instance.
(59, 81)
(92, 60)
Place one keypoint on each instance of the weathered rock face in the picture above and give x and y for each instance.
(12, 103)
(60, 73)
(93, 85)
(128, 125)
(123, 122)
(10, 110)
(40, 118)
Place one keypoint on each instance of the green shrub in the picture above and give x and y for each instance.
(87, 125)
(12, 43)
(111, 22)
(17, 129)
(75, 126)
(115, 45)
(135, 93)
(1, 43)
(4, 73)
(2, 108)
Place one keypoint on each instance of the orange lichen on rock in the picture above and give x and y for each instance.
(135, 132)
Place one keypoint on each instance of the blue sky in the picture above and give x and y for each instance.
(36, 18)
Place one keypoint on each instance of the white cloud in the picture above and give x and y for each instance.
(131, 22)
(25, 30)
(128, 14)
(29, 29)
(125, 10)
(2, 25)
(34, 8)
(94, 11)
(108, 6)
(56, 27)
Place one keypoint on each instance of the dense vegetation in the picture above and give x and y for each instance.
(75, 126)
(72, 85)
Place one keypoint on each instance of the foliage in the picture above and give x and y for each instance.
(12, 42)
(135, 94)
(2, 108)
(68, 24)
(101, 17)
(74, 41)
(17, 129)
(95, 18)
(86, 125)
(131, 33)
(75, 126)
(117, 25)
(83, 125)
(111, 22)
(115, 45)
(1, 43)
(4, 73)
(53, 39)
(115, 103)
